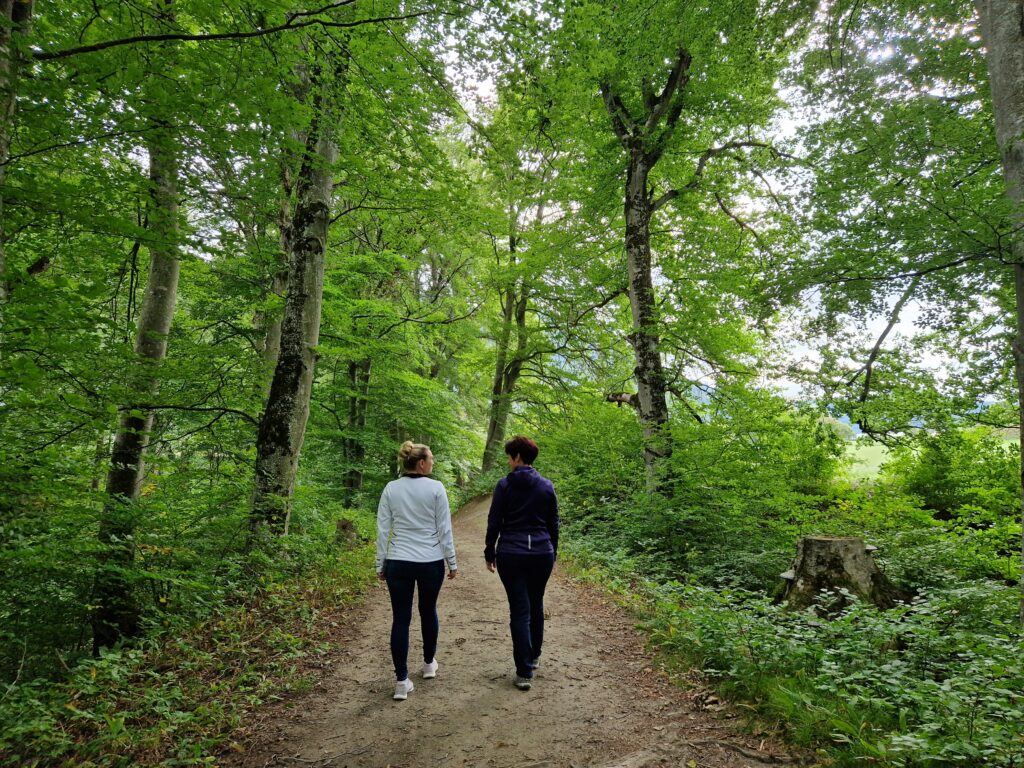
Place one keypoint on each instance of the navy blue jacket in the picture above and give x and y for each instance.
(524, 515)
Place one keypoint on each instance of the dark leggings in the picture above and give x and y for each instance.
(402, 576)
(525, 578)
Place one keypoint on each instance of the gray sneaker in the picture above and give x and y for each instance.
(534, 664)
(522, 683)
(402, 689)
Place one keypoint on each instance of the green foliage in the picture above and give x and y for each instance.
(174, 699)
(745, 482)
(435, 228)
(959, 474)
(934, 683)
(968, 480)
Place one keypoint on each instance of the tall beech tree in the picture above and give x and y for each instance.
(644, 137)
(1002, 32)
(521, 180)
(698, 90)
(283, 423)
(116, 615)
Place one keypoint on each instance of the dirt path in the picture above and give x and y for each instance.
(597, 698)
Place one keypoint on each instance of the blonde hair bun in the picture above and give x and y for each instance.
(406, 450)
(411, 453)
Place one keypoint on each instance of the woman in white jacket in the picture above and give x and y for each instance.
(414, 543)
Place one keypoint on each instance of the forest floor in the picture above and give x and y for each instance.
(598, 699)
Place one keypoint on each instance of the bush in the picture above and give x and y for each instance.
(939, 682)
(173, 698)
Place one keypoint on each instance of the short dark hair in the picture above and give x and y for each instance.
(523, 447)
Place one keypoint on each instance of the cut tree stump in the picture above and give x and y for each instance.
(837, 562)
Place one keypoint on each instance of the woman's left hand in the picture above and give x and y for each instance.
(453, 573)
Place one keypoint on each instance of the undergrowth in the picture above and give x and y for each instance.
(939, 682)
(175, 699)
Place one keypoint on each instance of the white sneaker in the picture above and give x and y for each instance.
(522, 683)
(402, 689)
(429, 670)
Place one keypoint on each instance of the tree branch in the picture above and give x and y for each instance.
(913, 273)
(195, 409)
(739, 222)
(868, 368)
(629, 398)
(289, 25)
(677, 80)
(672, 194)
(708, 154)
(622, 123)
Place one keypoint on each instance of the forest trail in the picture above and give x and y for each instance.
(597, 700)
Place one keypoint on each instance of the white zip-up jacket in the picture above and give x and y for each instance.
(414, 522)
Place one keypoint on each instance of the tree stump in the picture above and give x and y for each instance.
(345, 535)
(837, 562)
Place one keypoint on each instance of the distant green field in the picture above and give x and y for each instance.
(867, 459)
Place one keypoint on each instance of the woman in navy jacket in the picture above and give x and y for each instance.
(521, 544)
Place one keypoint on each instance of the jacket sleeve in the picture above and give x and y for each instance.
(383, 529)
(552, 521)
(443, 521)
(494, 517)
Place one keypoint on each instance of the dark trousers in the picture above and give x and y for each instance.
(402, 577)
(525, 578)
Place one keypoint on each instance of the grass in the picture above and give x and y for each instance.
(866, 459)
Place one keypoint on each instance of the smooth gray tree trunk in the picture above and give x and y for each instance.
(1002, 32)
(116, 615)
(508, 366)
(354, 448)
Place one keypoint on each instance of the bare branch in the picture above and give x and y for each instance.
(868, 368)
(196, 409)
(740, 222)
(214, 36)
(672, 194)
(629, 398)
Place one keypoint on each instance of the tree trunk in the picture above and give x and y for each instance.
(1002, 32)
(355, 450)
(649, 372)
(17, 16)
(832, 563)
(509, 365)
(507, 370)
(116, 615)
(644, 138)
(271, 324)
(283, 423)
